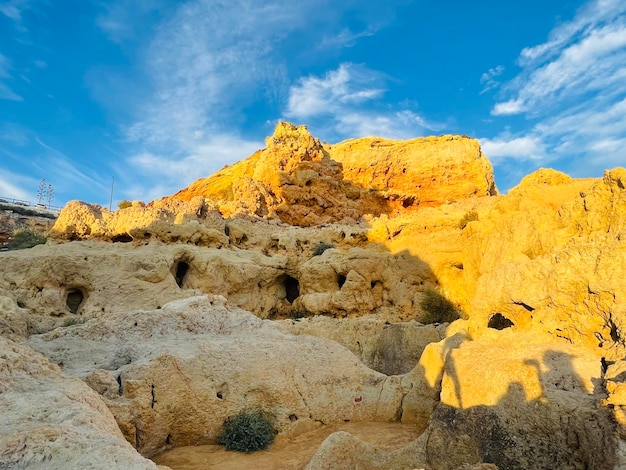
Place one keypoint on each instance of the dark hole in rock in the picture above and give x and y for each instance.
(499, 322)
(122, 238)
(181, 271)
(293, 418)
(168, 440)
(341, 280)
(408, 202)
(374, 284)
(219, 395)
(308, 183)
(292, 289)
(74, 300)
(227, 230)
(21, 304)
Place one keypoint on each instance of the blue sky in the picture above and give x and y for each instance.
(159, 93)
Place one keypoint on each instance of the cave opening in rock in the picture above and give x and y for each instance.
(122, 238)
(499, 322)
(182, 268)
(74, 300)
(292, 288)
(341, 280)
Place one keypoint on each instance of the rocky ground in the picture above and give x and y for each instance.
(297, 281)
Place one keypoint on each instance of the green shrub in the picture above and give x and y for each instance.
(321, 248)
(299, 313)
(26, 239)
(247, 431)
(467, 218)
(73, 321)
(438, 309)
(124, 204)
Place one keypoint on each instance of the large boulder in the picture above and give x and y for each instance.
(172, 376)
(50, 422)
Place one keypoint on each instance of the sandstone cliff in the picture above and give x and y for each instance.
(231, 294)
(302, 182)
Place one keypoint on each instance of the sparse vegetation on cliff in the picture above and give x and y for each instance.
(438, 309)
(26, 239)
(321, 248)
(247, 431)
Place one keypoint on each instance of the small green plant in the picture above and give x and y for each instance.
(73, 321)
(26, 238)
(438, 309)
(321, 248)
(124, 204)
(247, 431)
(467, 218)
(299, 313)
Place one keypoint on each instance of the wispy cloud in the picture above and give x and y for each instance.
(344, 102)
(572, 90)
(6, 93)
(207, 64)
(13, 185)
(488, 79)
(346, 37)
(13, 9)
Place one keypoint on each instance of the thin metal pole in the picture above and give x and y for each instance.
(111, 200)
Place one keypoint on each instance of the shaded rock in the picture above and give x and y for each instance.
(532, 406)
(390, 348)
(48, 421)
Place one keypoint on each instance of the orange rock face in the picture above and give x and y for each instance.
(427, 171)
(302, 182)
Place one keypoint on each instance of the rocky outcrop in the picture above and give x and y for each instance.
(390, 348)
(172, 376)
(303, 182)
(56, 284)
(510, 400)
(48, 421)
(422, 172)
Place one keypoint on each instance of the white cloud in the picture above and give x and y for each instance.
(525, 148)
(346, 38)
(207, 63)
(505, 108)
(488, 79)
(14, 186)
(572, 91)
(315, 96)
(584, 56)
(344, 102)
(173, 174)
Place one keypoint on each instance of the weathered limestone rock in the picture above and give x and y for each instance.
(172, 376)
(302, 182)
(515, 400)
(428, 171)
(390, 348)
(48, 421)
(71, 281)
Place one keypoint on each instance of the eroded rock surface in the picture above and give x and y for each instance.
(49, 421)
(172, 376)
